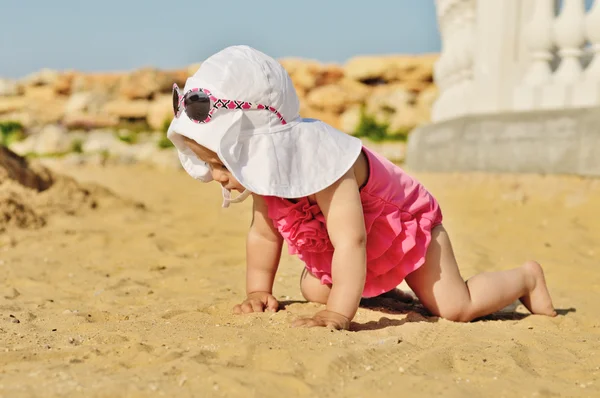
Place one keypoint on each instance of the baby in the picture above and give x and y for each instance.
(360, 223)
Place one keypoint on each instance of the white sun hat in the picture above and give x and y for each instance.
(255, 129)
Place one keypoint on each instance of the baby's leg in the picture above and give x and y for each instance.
(312, 289)
(441, 289)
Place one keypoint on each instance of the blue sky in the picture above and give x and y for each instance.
(109, 35)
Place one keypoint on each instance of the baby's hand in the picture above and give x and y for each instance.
(257, 302)
(324, 318)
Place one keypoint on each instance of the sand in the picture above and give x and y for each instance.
(124, 299)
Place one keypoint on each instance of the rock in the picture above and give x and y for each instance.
(425, 102)
(46, 111)
(178, 76)
(85, 102)
(337, 97)
(124, 109)
(403, 121)
(294, 64)
(308, 74)
(145, 84)
(428, 96)
(102, 141)
(304, 73)
(414, 86)
(152, 137)
(89, 121)
(106, 84)
(23, 117)
(385, 85)
(420, 70)
(305, 79)
(10, 88)
(330, 74)
(301, 93)
(359, 92)
(12, 104)
(44, 77)
(125, 154)
(160, 110)
(330, 118)
(350, 119)
(393, 105)
(16, 168)
(369, 68)
(394, 68)
(144, 152)
(77, 159)
(64, 83)
(412, 69)
(25, 146)
(387, 100)
(394, 151)
(331, 97)
(79, 102)
(40, 93)
(52, 139)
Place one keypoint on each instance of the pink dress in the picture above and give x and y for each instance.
(399, 216)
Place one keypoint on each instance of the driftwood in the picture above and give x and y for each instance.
(15, 167)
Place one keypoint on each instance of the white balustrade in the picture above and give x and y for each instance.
(443, 68)
(569, 35)
(473, 53)
(538, 36)
(587, 91)
(453, 70)
(592, 29)
(461, 93)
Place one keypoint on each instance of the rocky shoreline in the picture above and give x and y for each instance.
(123, 116)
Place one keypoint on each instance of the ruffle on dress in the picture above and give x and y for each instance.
(397, 241)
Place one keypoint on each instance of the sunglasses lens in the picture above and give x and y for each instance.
(197, 106)
(175, 101)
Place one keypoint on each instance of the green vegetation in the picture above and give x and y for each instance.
(77, 146)
(164, 142)
(165, 125)
(128, 136)
(10, 131)
(371, 129)
(134, 126)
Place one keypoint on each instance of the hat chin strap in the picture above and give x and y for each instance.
(227, 197)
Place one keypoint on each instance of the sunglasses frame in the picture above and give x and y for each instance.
(216, 104)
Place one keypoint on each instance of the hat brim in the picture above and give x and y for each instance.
(298, 159)
(195, 167)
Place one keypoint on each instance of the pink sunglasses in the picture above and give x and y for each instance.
(200, 105)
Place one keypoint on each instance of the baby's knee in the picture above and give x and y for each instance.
(312, 289)
(456, 313)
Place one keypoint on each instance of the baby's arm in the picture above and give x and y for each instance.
(341, 205)
(263, 252)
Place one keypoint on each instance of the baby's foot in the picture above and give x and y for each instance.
(538, 299)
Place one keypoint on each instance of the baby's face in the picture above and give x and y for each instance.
(217, 169)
